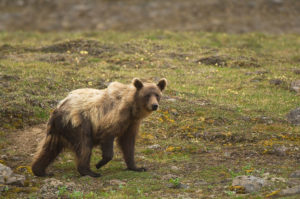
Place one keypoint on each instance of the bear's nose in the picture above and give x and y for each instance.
(154, 107)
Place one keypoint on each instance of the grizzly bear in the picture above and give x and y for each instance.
(90, 117)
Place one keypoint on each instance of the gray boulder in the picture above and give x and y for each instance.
(294, 116)
(295, 86)
(295, 174)
(9, 178)
(250, 183)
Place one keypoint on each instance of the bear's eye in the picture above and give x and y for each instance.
(147, 96)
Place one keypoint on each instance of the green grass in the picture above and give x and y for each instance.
(217, 109)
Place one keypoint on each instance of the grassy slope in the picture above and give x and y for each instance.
(226, 107)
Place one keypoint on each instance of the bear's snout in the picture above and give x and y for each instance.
(154, 107)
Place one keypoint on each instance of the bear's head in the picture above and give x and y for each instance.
(148, 94)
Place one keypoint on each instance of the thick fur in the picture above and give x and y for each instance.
(91, 117)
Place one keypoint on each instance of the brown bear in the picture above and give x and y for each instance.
(90, 117)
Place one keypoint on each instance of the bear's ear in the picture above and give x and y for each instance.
(162, 84)
(137, 83)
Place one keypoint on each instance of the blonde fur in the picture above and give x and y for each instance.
(104, 108)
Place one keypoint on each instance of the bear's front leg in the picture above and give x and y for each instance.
(107, 147)
(127, 144)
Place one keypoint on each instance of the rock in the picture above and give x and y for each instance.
(8, 177)
(294, 116)
(171, 100)
(117, 182)
(227, 154)
(293, 181)
(297, 71)
(250, 183)
(295, 86)
(15, 158)
(280, 150)
(3, 188)
(169, 176)
(276, 82)
(290, 191)
(266, 175)
(174, 168)
(277, 1)
(295, 174)
(154, 146)
(174, 112)
(16, 179)
(5, 172)
(3, 157)
(278, 179)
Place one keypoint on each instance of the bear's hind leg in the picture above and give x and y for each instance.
(48, 151)
(107, 147)
(82, 143)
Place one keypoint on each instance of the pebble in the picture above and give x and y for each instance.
(280, 150)
(174, 168)
(294, 116)
(171, 100)
(295, 174)
(154, 146)
(295, 86)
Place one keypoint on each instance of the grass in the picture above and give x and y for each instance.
(214, 109)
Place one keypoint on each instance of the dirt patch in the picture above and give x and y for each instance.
(23, 145)
(91, 47)
(233, 62)
(245, 62)
(213, 60)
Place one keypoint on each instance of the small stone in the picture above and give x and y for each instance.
(154, 146)
(174, 112)
(15, 158)
(297, 71)
(117, 182)
(16, 179)
(53, 182)
(280, 150)
(250, 183)
(293, 181)
(276, 82)
(5, 172)
(8, 177)
(278, 179)
(171, 100)
(295, 86)
(294, 116)
(266, 175)
(169, 176)
(290, 191)
(3, 157)
(174, 168)
(227, 154)
(295, 174)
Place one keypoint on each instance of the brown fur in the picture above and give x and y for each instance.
(91, 117)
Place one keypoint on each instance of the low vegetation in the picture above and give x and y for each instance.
(223, 113)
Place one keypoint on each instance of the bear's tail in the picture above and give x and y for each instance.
(48, 150)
